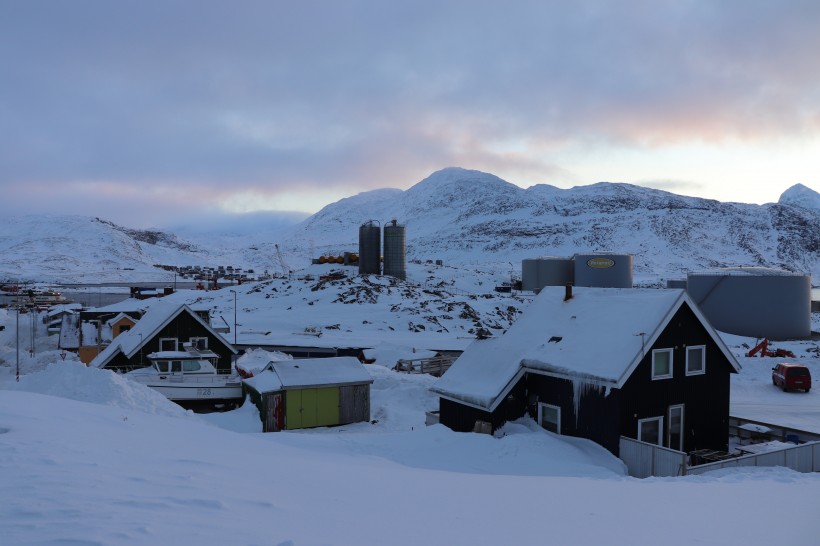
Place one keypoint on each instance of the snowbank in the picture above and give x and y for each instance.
(75, 381)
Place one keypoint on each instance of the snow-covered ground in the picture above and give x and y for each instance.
(87, 457)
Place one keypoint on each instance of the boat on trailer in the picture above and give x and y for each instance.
(189, 378)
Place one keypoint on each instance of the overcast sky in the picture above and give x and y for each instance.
(149, 113)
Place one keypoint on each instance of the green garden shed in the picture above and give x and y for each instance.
(306, 393)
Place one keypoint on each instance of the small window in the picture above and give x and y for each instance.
(176, 365)
(168, 344)
(649, 430)
(191, 366)
(549, 417)
(696, 360)
(200, 343)
(162, 367)
(125, 327)
(661, 363)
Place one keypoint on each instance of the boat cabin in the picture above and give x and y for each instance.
(190, 361)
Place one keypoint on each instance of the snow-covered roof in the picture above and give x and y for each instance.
(157, 317)
(255, 360)
(745, 272)
(70, 332)
(55, 310)
(119, 317)
(600, 335)
(182, 355)
(130, 305)
(310, 372)
(432, 341)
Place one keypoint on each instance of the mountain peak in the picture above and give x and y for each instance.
(451, 175)
(800, 196)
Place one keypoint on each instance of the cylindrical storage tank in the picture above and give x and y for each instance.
(529, 275)
(603, 270)
(370, 247)
(754, 301)
(555, 272)
(395, 260)
(536, 273)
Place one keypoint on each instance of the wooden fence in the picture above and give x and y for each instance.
(434, 366)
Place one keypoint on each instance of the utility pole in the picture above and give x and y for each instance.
(234, 317)
(18, 343)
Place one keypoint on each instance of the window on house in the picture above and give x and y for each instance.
(200, 343)
(649, 430)
(674, 438)
(661, 363)
(124, 327)
(696, 360)
(168, 344)
(549, 417)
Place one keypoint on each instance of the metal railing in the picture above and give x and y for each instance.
(801, 458)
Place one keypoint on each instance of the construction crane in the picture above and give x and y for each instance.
(286, 270)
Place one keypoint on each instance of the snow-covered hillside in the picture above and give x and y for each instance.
(81, 249)
(468, 216)
(456, 215)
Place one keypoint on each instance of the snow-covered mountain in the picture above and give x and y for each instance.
(78, 248)
(800, 196)
(468, 216)
(462, 217)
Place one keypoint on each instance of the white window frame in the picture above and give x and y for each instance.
(660, 428)
(671, 373)
(193, 340)
(541, 406)
(162, 341)
(682, 427)
(703, 360)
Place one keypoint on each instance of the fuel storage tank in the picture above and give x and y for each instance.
(754, 301)
(370, 246)
(395, 260)
(536, 273)
(603, 270)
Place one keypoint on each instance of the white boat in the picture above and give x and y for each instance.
(189, 378)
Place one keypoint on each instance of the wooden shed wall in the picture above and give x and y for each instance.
(354, 403)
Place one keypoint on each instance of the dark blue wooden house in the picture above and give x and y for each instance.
(599, 363)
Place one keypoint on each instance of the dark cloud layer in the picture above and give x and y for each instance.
(115, 105)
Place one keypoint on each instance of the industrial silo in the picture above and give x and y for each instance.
(603, 270)
(395, 261)
(536, 273)
(754, 301)
(529, 274)
(370, 245)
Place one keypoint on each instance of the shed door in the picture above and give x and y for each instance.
(274, 412)
(310, 415)
(327, 406)
(293, 413)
